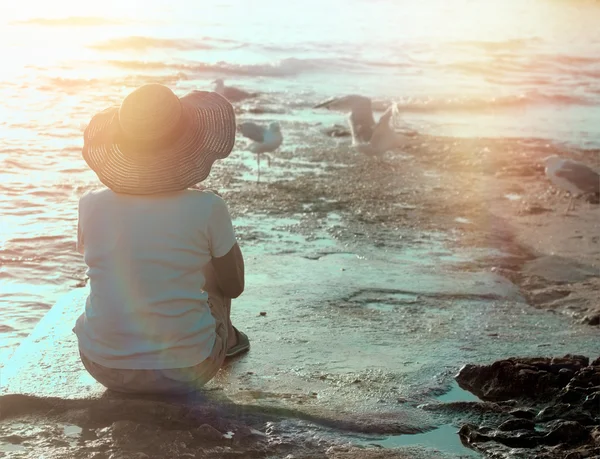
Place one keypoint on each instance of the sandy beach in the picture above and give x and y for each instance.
(370, 285)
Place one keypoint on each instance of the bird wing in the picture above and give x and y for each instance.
(384, 137)
(272, 141)
(361, 115)
(384, 121)
(361, 127)
(382, 130)
(583, 177)
(400, 126)
(252, 131)
(345, 103)
(235, 94)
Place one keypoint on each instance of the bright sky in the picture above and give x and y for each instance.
(67, 8)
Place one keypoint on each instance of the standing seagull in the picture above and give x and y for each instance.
(572, 176)
(230, 93)
(266, 140)
(369, 137)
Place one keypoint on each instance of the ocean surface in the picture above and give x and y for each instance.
(523, 68)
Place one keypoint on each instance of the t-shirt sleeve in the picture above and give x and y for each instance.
(220, 229)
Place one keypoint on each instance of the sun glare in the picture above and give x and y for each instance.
(30, 9)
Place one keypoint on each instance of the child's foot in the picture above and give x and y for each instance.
(242, 344)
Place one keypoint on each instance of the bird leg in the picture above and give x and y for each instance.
(573, 201)
(258, 164)
(268, 159)
(569, 205)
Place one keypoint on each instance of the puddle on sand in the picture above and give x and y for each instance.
(464, 220)
(72, 430)
(513, 197)
(380, 307)
(444, 439)
(11, 448)
(386, 302)
(456, 394)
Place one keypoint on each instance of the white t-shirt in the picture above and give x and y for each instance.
(145, 255)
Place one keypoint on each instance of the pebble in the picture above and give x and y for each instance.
(208, 432)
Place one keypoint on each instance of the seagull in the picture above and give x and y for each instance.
(361, 118)
(266, 140)
(572, 176)
(369, 137)
(230, 93)
(384, 137)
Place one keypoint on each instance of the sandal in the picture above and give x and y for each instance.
(243, 344)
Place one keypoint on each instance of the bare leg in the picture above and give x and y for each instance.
(219, 300)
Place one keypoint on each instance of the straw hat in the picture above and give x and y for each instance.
(156, 142)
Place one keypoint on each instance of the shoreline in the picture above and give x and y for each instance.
(439, 193)
(487, 193)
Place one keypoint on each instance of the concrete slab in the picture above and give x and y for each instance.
(286, 287)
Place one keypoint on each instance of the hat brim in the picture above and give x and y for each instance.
(207, 133)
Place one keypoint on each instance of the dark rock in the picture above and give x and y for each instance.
(517, 439)
(595, 434)
(581, 417)
(592, 403)
(567, 432)
(584, 453)
(553, 412)
(565, 375)
(524, 366)
(571, 395)
(123, 428)
(469, 434)
(517, 424)
(207, 432)
(566, 389)
(565, 412)
(507, 379)
(585, 375)
(591, 319)
(569, 361)
(522, 414)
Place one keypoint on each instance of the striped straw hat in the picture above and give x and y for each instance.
(156, 142)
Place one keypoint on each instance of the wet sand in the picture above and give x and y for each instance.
(369, 285)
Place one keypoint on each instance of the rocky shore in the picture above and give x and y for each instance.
(545, 407)
(487, 197)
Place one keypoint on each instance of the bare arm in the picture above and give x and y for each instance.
(79, 244)
(229, 271)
